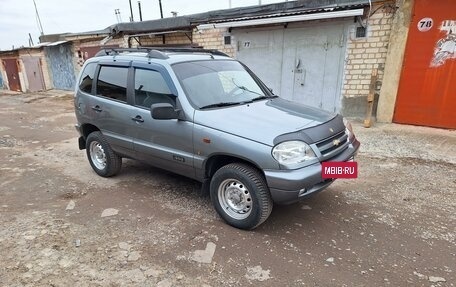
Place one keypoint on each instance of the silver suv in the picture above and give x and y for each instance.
(204, 115)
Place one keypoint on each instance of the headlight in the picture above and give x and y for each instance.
(292, 152)
(349, 130)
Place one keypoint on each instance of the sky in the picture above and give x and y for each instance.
(18, 17)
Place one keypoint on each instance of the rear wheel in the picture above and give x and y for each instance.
(240, 195)
(104, 161)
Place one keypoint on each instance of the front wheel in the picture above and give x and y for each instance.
(240, 195)
(104, 161)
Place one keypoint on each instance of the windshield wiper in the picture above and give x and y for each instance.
(221, 104)
(263, 98)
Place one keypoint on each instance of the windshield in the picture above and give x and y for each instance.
(217, 83)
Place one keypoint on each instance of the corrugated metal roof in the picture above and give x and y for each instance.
(47, 44)
(310, 11)
(37, 46)
(239, 14)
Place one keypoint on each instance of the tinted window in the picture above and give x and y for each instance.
(151, 88)
(85, 83)
(112, 83)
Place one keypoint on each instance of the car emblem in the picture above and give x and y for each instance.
(331, 130)
(336, 142)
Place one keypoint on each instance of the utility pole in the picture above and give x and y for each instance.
(30, 40)
(140, 12)
(38, 18)
(161, 8)
(131, 12)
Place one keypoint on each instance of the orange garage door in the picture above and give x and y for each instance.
(427, 90)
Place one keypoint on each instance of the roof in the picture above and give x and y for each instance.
(241, 13)
(37, 46)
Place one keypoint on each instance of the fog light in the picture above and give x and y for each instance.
(302, 191)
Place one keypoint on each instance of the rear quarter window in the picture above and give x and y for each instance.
(87, 76)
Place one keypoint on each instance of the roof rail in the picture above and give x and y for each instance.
(151, 53)
(187, 49)
(158, 52)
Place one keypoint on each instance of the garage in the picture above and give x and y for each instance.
(303, 62)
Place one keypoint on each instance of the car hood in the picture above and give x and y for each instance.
(262, 121)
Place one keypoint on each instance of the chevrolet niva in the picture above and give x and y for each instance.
(206, 116)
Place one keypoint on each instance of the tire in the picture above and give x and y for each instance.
(104, 161)
(240, 196)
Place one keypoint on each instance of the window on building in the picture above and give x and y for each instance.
(87, 76)
(112, 83)
(151, 88)
(227, 40)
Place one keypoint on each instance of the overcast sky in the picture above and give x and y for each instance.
(18, 18)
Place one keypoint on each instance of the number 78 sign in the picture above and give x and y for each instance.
(425, 24)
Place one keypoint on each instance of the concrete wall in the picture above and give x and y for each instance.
(4, 79)
(394, 59)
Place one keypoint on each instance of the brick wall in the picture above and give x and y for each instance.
(363, 55)
(157, 40)
(78, 60)
(213, 39)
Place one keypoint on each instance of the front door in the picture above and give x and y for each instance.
(164, 143)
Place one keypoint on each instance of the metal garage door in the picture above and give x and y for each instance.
(302, 63)
(12, 73)
(427, 90)
(60, 59)
(34, 73)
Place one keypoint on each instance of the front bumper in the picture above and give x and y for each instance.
(289, 186)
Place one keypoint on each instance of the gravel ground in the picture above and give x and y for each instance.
(62, 225)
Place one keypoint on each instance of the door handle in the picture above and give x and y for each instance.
(138, 119)
(97, 108)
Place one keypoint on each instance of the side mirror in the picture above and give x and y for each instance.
(163, 111)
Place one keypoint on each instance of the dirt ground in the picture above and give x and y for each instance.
(62, 225)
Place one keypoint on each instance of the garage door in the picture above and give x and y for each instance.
(427, 89)
(12, 73)
(34, 73)
(302, 63)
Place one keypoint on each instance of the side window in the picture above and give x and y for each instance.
(112, 83)
(85, 83)
(151, 88)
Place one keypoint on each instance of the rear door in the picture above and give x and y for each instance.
(167, 144)
(109, 107)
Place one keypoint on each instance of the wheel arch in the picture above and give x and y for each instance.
(216, 161)
(88, 129)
